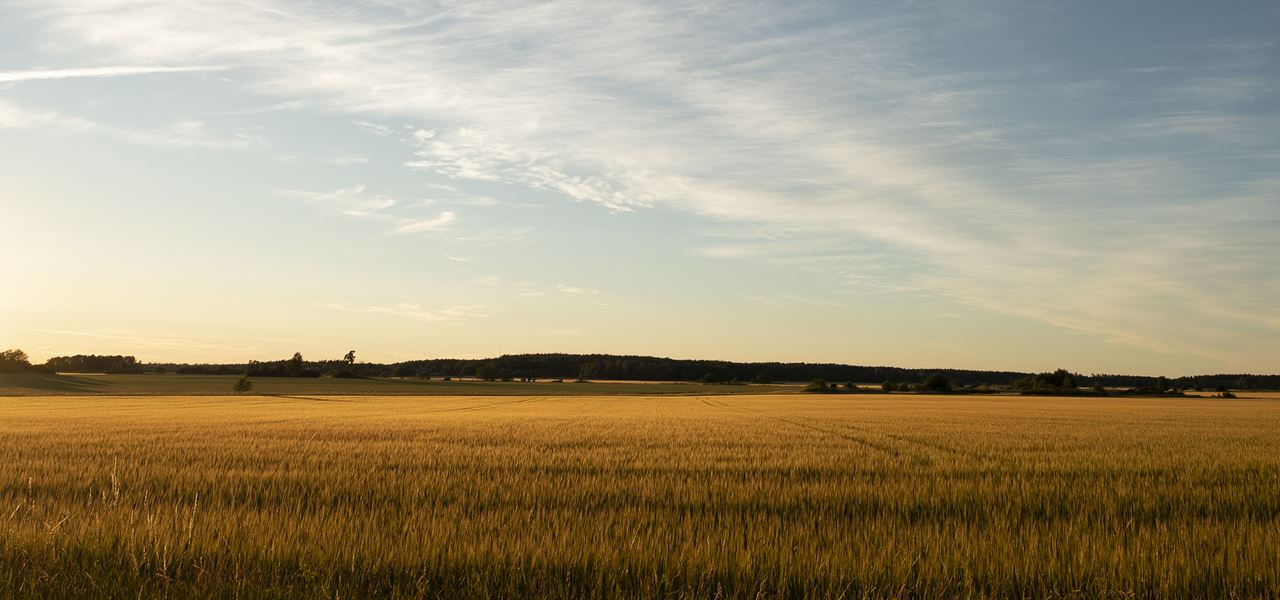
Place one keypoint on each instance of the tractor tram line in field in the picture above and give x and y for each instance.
(854, 439)
(916, 445)
(312, 398)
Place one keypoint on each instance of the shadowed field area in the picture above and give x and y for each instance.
(654, 496)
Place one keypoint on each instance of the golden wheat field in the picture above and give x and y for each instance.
(679, 497)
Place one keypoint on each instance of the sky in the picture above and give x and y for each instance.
(991, 185)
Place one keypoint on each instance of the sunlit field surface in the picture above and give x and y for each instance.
(675, 496)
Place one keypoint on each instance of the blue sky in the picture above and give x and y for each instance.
(1020, 185)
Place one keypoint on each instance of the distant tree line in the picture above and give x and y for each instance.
(294, 366)
(648, 368)
(92, 363)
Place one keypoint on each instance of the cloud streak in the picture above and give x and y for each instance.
(355, 202)
(102, 72)
(183, 134)
(417, 312)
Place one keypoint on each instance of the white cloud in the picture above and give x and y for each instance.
(101, 72)
(375, 128)
(573, 290)
(419, 313)
(727, 251)
(447, 194)
(525, 288)
(435, 224)
(494, 236)
(185, 134)
(356, 202)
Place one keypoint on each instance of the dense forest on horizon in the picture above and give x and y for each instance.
(623, 367)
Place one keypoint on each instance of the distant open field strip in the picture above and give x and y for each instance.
(542, 496)
(40, 384)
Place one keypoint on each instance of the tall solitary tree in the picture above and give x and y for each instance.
(350, 358)
(14, 360)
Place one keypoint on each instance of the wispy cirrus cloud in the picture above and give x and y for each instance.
(418, 312)
(356, 202)
(375, 128)
(574, 290)
(525, 288)
(420, 225)
(493, 236)
(183, 134)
